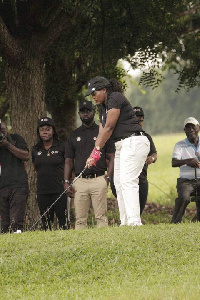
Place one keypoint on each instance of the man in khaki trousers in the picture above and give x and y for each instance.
(91, 187)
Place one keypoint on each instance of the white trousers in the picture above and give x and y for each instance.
(130, 156)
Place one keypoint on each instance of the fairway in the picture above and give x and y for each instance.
(147, 262)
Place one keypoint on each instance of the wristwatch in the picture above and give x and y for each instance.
(107, 177)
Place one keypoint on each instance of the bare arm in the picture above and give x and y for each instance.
(110, 171)
(19, 153)
(105, 132)
(191, 162)
(151, 159)
(69, 166)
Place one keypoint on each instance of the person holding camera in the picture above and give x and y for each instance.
(13, 180)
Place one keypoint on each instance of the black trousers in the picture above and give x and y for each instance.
(143, 193)
(12, 208)
(60, 208)
(185, 188)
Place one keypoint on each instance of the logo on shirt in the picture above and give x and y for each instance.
(78, 138)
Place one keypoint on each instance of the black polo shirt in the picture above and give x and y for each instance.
(49, 165)
(143, 174)
(127, 122)
(80, 145)
(13, 172)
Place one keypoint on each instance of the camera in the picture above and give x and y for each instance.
(1, 134)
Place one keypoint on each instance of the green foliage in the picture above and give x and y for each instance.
(148, 262)
(165, 109)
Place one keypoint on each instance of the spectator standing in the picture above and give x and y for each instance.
(48, 159)
(13, 180)
(119, 122)
(91, 187)
(186, 156)
(151, 158)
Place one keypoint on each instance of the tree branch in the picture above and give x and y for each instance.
(8, 45)
(55, 28)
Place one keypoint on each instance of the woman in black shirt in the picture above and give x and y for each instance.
(48, 159)
(118, 122)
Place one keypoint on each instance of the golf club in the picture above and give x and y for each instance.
(57, 199)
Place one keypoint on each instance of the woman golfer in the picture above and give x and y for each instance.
(118, 122)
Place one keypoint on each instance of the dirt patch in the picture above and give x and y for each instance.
(151, 208)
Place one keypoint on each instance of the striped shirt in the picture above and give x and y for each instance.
(184, 150)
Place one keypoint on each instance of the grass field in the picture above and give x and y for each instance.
(151, 262)
(148, 262)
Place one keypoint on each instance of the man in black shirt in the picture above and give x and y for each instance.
(13, 180)
(92, 186)
(151, 158)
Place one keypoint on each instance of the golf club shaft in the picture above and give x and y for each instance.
(58, 198)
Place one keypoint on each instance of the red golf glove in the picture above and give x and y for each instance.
(96, 155)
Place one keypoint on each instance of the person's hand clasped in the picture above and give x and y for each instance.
(71, 191)
(193, 163)
(93, 159)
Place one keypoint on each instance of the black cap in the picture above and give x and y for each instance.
(45, 121)
(138, 111)
(86, 104)
(97, 83)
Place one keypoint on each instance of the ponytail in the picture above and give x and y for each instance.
(115, 86)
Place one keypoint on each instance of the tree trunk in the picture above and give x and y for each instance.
(65, 118)
(25, 92)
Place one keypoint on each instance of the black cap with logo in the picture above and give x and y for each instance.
(138, 111)
(97, 83)
(45, 121)
(86, 104)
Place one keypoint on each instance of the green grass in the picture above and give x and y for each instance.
(156, 262)
(148, 262)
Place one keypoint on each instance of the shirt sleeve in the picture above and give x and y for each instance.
(62, 147)
(19, 142)
(177, 152)
(110, 146)
(152, 146)
(69, 149)
(115, 101)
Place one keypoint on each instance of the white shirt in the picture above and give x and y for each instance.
(184, 150)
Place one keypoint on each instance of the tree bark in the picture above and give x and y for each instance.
(65, 117)
(25, 93)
